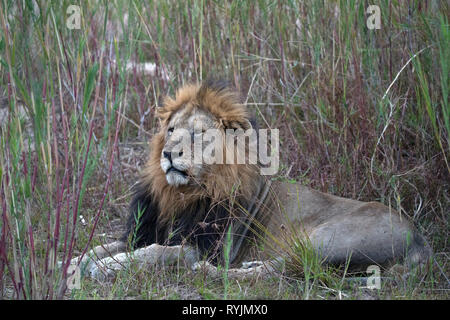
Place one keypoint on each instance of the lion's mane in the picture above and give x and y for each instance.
(200, 214)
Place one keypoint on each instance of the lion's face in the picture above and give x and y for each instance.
(177, 157)
(204, 114)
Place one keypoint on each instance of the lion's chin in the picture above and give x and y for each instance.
(176, 179)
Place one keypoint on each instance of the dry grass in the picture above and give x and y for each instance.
(362, 114)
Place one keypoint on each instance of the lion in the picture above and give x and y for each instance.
(185, 211)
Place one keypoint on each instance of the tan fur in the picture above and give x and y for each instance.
(223, 178)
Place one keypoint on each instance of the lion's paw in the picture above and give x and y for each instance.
(101, 273)
(107, 268)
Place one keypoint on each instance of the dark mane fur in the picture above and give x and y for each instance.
(203, 224)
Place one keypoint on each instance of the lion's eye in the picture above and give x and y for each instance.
(169, 131)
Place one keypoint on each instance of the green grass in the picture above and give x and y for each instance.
(362, 114)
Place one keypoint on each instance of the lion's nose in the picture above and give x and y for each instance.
(168, 155)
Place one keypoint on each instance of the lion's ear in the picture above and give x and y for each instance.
(161, 112)
(236, 124)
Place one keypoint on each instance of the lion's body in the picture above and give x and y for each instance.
(370, 231)
(177, 204)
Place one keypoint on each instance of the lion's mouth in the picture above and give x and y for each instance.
(173, 169)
